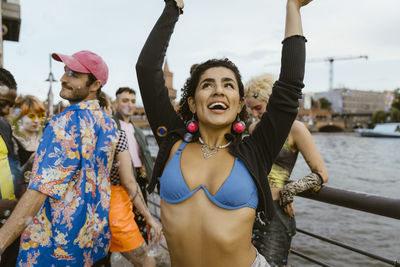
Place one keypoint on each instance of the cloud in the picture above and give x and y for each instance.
(249, 33)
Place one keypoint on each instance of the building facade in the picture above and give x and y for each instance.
(352, 102)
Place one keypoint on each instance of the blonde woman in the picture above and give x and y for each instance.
(273, 240)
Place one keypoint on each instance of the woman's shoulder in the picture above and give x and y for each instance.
(20, 138)
(297, 132)
(298, 127)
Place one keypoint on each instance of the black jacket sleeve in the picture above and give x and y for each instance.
(274, 127)
(159, 109)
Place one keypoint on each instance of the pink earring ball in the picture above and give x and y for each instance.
(192, 127)
(239, 126)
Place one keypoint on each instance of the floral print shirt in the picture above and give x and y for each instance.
(72, 166)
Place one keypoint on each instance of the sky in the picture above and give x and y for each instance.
(247, 32)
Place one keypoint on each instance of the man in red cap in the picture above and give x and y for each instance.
(65, 210)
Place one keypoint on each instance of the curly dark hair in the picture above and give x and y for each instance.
(190, 86)
(91, 80)
(104, 99)
(7, 79)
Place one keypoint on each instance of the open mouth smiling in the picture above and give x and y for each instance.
(218, 106)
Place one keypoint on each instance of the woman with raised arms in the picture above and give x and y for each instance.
(211, 180)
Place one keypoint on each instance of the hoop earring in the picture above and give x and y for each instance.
(238, 126)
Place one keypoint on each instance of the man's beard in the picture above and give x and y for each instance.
(75, 94)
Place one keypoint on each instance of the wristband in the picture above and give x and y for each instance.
(312, 181)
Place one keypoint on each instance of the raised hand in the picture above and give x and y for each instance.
(180, 3)
(304, 2)
(299, 3)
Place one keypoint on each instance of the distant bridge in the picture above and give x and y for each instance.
(326, 126)
(329, 126)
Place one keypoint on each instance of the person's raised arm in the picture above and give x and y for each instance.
(154, 93)
(293, 19)
(273, 129)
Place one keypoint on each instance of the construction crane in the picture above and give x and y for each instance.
(331, 60)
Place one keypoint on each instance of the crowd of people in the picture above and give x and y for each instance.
(74, 186)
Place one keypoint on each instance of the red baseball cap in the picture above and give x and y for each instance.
(85, 62)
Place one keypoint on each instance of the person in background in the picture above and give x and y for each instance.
(64, 212)
(211, 179)
(138, 147)
(28, 116)
(9, 162)
(273, 240)
(125, 191)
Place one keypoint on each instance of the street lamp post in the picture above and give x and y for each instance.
(50, 79)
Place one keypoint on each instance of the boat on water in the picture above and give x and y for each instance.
(381, 130)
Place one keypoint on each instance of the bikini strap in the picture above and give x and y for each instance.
(182, 146)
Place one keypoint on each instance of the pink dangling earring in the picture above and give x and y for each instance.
(238, 126)
(192, 125)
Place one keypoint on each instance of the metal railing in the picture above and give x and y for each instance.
(382, 206)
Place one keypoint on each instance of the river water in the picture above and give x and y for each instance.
(369, 165)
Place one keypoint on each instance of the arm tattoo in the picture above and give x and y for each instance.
(136, 193)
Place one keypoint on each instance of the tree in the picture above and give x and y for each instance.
(379, 117)
(325, 104)
(321, 103)
(394, 115)
(396, 99)
(313, 103)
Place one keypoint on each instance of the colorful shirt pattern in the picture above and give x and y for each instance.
(72, 166)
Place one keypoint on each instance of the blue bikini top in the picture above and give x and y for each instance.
(238, 190)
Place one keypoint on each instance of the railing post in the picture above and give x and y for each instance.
(397, 262)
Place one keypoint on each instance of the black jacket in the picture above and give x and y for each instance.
(258, 150)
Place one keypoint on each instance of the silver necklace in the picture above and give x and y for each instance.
(208, 151)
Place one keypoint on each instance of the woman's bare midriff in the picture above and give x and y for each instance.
(200, 234)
